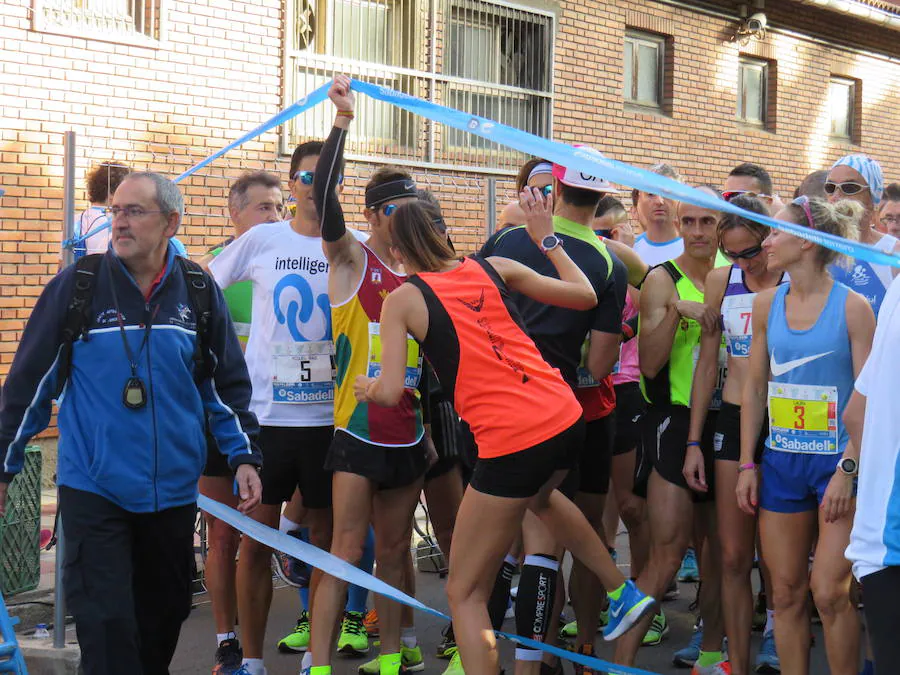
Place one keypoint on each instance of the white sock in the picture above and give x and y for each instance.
(408, 637)
(306, 662)
(255, 666)
(770, 621)
(221, 637)
(287, 525)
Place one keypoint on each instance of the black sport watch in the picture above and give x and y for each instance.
(848, 466)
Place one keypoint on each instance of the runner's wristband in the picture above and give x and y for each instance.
(693, 443)
(749, 466)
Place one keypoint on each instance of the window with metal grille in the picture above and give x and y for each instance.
(644, 69)
(483, 57)
(842, 107)
(129, 21)
(753, 91)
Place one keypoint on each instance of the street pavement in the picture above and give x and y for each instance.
(197, 644)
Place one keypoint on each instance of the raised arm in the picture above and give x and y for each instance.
(573, 289)
(637, 268)
(338, 244)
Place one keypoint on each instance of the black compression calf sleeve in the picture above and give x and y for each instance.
(534, 602)
(499, 600)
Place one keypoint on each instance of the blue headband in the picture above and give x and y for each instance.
(869, 169)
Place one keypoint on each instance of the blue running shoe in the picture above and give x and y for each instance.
(687, 656)
(767, 660)
(626, 611)
(689, 571)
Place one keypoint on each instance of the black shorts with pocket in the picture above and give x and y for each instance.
(522, 474)
(665, 443)
(389, 467)
(727, 441)
(294, 457)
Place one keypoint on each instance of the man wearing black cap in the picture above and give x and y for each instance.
(378, 454)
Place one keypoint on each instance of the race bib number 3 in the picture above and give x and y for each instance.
(302, 372)
(737, 318)
(413, 357)
(803, 418)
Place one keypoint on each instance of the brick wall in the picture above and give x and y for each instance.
(220, 73)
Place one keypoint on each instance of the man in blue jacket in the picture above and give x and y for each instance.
(132, 414)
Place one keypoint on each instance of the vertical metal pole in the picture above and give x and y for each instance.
(68, 255)
(59, 603)
(492, 206)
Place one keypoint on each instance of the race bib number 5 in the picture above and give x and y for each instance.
(303, 372)
(413, 357)
(803, 418)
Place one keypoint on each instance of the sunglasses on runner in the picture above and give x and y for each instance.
(547, 190)
(306, 177)
(848, 187)
(731, 194)
(803, 202)
(388, 209)
(746, 254)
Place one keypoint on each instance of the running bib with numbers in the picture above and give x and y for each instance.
(413, 357)
(303, 372)
(585, 378)
(737, 320)
(715, 403)
(803, 418)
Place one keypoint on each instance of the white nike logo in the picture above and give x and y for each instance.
(618, 610)
(779, 369)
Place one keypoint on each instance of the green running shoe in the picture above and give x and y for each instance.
(659, 628)
(411, 662)
(455, 667)
(353, 640)
(298, 639)
(570, 630)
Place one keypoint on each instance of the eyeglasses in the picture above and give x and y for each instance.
(129, 212)
(803, 202)
(306, 177)
(891, 220)
(388, 209)
(746, 254)
(731, 194)
(848, 187)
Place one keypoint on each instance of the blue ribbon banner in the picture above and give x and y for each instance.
(344, 571)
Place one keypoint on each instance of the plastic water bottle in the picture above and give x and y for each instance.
(40, 631)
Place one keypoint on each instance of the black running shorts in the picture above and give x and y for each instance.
(665, 439)
(294, 457)
(388, 467)
(522, 474)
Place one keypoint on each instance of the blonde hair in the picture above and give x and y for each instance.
(840, 219)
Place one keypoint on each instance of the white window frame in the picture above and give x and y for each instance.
(637, 38)
(49, 16)
(762, 66)
(426, 69)
(851, 85)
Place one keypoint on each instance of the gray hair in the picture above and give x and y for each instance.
(168, 194)
(237, 194)
(666, 170)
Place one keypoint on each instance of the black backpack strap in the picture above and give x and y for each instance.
(78, 314)
(199, 287)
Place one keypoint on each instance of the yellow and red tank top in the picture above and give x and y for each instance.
(357, 346)
(500, 384)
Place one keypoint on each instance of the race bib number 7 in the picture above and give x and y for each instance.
(737, 318)
(803, 418)
(413, 357)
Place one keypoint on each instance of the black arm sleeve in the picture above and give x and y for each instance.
(325, 180)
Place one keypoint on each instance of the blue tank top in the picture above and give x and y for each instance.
(869, 280)
(811, 378)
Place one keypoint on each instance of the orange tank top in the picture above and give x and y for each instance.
(499, 382)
